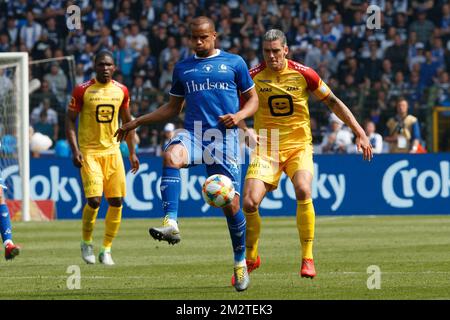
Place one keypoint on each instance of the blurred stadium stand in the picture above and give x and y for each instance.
(409, 55)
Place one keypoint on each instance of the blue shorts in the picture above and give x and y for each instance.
(220, 152)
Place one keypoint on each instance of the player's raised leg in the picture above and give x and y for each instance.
(302, 181)
(174, 158)
(11, 250)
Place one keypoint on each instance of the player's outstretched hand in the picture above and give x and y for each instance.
(134, 161)
(363, 144)
(77, 159)
(229, 120)
(122, 132)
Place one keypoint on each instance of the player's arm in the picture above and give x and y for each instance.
(344, 113)
(415, 130)
(71, 136)
(163, 113)
(134, 161)
(250, 106)
(248, 109)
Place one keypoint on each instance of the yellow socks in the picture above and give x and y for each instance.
(112, 224)
(305, 226)
(252, 234)
(88, 221)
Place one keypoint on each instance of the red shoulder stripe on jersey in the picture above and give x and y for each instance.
(323, 99)
(126, 97)
(76, 102)
(311, 77)
(257, 69)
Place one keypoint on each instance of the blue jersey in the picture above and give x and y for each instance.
(210, 87)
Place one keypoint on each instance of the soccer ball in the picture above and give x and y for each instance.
(218, 190)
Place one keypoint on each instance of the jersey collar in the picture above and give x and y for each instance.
(211, 56)
(101, 83)
(286, 66)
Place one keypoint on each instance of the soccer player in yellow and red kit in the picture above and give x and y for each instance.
(98, 103)
(283, 88)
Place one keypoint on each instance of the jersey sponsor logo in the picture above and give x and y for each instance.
(190, 70)
(208, 68)
(281, 105)
(292, 88)
(193, 86)
(105, 113)
(265, 90)
(223, 68)
(294, 79)
(265, 81)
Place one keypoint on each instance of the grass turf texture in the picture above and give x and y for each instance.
(411, 251)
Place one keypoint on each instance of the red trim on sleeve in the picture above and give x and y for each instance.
(126, 96)
(311, 77)
(257, 69)
(326, 96)
(76, 102)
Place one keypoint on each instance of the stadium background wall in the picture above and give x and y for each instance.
(343, 185)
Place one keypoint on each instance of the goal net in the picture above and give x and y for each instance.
(14, 130)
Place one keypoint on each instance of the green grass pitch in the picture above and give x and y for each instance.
(412, 253)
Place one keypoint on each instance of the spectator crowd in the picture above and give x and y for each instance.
(370, 69)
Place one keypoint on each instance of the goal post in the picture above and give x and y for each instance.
(15, 108)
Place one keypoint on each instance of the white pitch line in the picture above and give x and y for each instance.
(208, 276)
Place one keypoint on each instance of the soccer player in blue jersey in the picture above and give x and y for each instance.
(210, 83)
(11, 250)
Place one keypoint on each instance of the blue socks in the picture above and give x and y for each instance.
(236, 225)
(170, 191)
(170, 194)
(5, 223)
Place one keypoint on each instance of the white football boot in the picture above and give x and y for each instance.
(87, 253)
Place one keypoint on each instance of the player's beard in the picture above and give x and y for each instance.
(103, 77)
(202, 52)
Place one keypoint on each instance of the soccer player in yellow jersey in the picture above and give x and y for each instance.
(98, 103)
(283, 88)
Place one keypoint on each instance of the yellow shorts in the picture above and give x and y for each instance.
(103, 173)
(290, 161)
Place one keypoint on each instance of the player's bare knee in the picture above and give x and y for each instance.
(94, 203)
(233, 208)
(250, 204)
(172, 158)
(303, 193)
(115, 202)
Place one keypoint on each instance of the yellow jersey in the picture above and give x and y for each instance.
(283, 102)
(98, 105)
